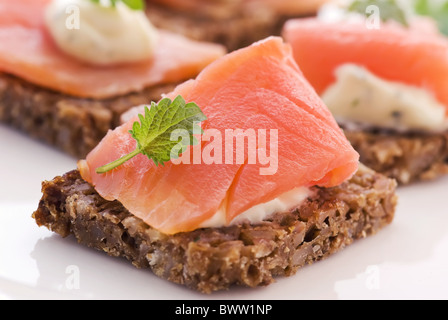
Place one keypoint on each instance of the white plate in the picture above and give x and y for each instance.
(406, 260)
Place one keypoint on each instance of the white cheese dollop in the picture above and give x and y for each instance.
(262, 211)
(101, 35)
(359, 97)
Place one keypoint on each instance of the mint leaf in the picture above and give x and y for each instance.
(153, 132)
(133, 4)
(438, 12)
(389, 9)
(422, 7)
(443, 18)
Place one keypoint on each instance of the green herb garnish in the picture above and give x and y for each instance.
(438, 12)
(355, 103)
(153, 132)
(133, 4)
(388, 10)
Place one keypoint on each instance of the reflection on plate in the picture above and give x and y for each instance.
(406, 260)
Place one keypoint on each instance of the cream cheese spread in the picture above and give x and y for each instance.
(101, 35)
(358, 97)
(262, 211)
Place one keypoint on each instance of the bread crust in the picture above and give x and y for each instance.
(212, 259)
(73, 125)
(406, 157)
(233, 32)
(235, 24)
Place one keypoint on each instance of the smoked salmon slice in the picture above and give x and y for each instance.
(416, 56)
(256, 88)
(28, 51)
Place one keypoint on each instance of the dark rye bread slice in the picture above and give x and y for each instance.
(74, 125)
(234, 24)
(212, 259)
(406, 157)
(238, 31)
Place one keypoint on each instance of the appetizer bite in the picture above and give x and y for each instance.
(267, 184)
(234, 23)
(70, 68)
(385, 82)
